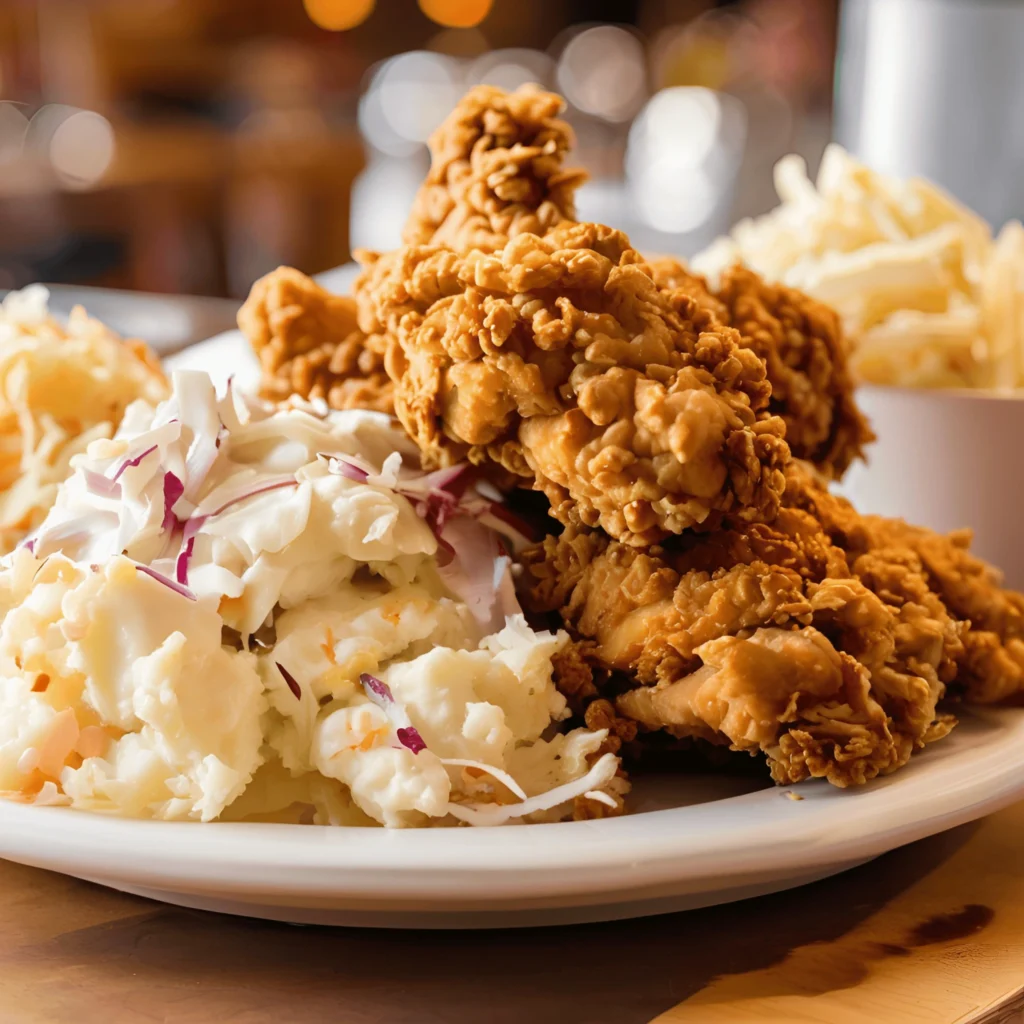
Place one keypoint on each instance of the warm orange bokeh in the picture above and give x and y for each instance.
(338, 15)
(456, 13)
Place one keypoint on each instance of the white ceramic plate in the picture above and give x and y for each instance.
(711, 843)
(691, 841)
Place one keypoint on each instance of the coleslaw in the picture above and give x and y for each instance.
(240, 611)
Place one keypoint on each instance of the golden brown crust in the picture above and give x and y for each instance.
(496, 171)
(806, 356)
(992, 667)
(914, 566)
(693, 637)
(703, 601)
(559, 358)
(761, 635)
(309, 344)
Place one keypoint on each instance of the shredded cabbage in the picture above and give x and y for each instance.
(289, 613)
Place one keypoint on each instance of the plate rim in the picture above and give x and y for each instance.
(667, 847)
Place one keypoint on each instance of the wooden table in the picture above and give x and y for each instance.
(931, 933)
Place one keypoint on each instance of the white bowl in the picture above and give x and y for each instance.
(947, 459)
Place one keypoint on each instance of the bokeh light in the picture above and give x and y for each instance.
(82, 148)
(456, 13)
(509, 69)
(407, 99)
(682, 122)
(676, 200)
(702, 53)
(603, 71)
(338, 15)
(13, 126)
(683, 156)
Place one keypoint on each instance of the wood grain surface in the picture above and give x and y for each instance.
(930, 933)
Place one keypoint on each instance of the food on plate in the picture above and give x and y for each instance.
(713, 586)
(560, 360)
(496, 170)
(62, 386)
(805, 354)
(245, 611)
(991, 667)
(236, 610)
(758, 636)
(825, 640)
(684, 430)
(927, 297)
(308, 344)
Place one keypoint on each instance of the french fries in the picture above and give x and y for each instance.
(928, 298)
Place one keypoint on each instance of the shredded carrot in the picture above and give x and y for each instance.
(370, 739)
(328, 646)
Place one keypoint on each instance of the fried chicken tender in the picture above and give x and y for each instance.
(806, 355)
(560, 360)
(992, 670)
(761, 635)
(496, 171)
(308, 344)
(889, 552)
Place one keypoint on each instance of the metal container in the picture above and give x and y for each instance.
(936, 88)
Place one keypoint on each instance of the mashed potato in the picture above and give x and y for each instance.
(61, 387)
(235, 611)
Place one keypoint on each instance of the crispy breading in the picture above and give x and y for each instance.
(559, 359)
(930, 568)
(496, 171)
(308, 344)
(760, 634)
(992, 667)
(806, 355)
(715, 589)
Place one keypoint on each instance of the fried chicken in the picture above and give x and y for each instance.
(517, 337)
(825, 639)
(758, 635)
(308, 344)
(714, 587)
(802, 344)
(990, 668)
(558, 358)
(496, 171)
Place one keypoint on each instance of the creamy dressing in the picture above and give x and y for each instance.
(235, 603)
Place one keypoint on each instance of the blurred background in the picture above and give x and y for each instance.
(189, 146)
